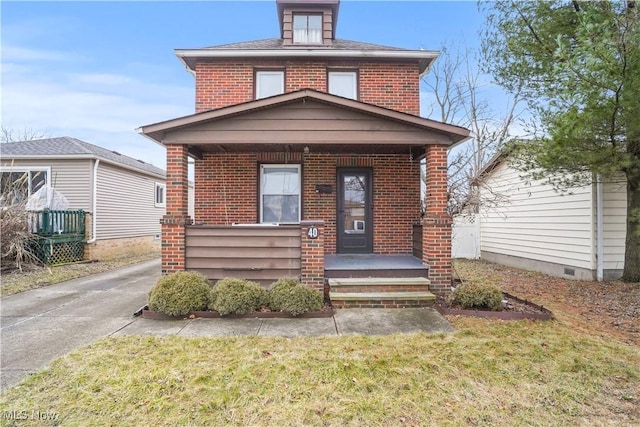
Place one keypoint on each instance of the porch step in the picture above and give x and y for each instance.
(402, 292)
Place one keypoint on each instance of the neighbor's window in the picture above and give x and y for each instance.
(344, 83)
(269, 83)
(307, 29)
(160, 195)
(17, 184)
(280, 193)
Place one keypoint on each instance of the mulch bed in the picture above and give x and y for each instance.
(515, 309)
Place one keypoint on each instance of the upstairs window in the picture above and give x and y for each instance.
(343, 83)
(269, 83)
(280, 193)
(307, 29)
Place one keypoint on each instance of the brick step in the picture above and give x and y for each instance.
(381, 299)
(377, 284)
(378, 292)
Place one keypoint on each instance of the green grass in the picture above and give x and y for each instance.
(487, 373)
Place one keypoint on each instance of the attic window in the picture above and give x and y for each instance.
(307, 29)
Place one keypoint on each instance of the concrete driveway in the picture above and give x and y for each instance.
(41, 325)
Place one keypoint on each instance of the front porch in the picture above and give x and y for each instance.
(373, 265)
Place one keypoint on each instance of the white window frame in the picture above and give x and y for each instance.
(303, 35)
(354, 78)
(261, 86)
(299, 194)
(163, 203)
(30, 170)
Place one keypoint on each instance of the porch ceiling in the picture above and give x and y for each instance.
(417, 151)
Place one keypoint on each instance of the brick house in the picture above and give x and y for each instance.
(307, 161)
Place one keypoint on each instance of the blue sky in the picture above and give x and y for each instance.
(98, 70)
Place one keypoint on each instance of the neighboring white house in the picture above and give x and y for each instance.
(125, 197)
(538, 228)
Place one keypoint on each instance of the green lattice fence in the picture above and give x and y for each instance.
(60, 235)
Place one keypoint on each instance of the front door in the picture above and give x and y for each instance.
(355, 211)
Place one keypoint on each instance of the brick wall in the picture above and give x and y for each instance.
(177, 216)
(390, 85)
(226, 192)
(436, 225)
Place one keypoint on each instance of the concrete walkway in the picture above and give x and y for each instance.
(41, 325)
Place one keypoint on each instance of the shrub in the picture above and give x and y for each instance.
(478, 296)
(179, 293)
(279, 292)
(289, 296)
(237, 296)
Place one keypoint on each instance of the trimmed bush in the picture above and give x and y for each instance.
(279, 292)
(237, 296)
(478, 296)
(180, 293)
(288, 295)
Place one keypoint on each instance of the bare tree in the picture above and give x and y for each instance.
(8, 134)
(458, 97)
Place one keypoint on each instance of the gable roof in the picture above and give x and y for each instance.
(70, 148)
(337, 48)
(157, 131)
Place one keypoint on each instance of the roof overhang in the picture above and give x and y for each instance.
(447, 134)
(189, 57)
(78, 157)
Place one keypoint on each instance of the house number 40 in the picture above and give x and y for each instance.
(312, 232)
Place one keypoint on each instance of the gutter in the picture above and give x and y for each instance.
(94, 202)
(599, 229)
(183, 54)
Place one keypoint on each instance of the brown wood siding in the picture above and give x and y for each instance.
(260, 253)
(310, 122)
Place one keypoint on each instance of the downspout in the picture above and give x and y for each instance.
(599, 230)
(94, 202)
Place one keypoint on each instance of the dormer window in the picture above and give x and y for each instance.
(307, 29)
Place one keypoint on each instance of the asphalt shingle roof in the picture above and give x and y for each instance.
(276, 43)
(70, 147)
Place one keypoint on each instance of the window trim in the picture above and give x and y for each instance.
(293, 28)
(344, 71)
(163, 203)
(261, 167)
(256, 80)
(29, 169)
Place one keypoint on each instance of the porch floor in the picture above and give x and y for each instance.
(373, 265)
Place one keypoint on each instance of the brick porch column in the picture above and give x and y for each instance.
(436, 224)
(312, 254)
(177, 211)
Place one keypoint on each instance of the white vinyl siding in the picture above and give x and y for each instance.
(538, 223)
(126, 204)
(615, 223)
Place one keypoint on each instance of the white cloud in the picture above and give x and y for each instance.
(99, 108)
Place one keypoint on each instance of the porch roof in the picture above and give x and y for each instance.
(203, 131)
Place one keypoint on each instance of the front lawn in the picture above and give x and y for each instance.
(487, 373)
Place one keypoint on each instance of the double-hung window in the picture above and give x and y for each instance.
(280, 193)
(269, 83)
(307, 29)
(17, 183)
(344, 83)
